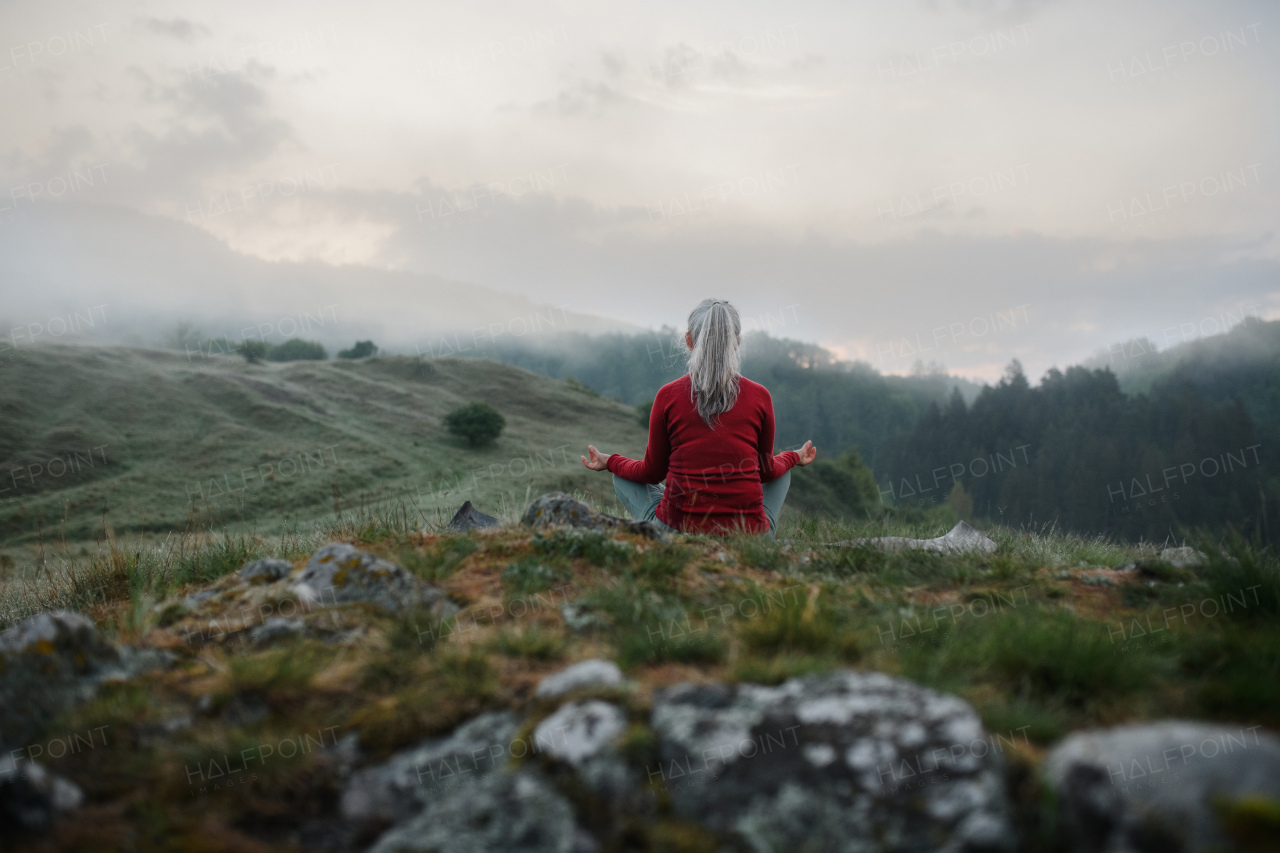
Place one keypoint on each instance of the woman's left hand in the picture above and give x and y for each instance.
(808, 453)
(598, 461)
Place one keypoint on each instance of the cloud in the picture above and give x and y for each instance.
(583, 99)
(178, 28)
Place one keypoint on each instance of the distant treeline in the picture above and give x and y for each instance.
(1195, 450)
(1077, 451)
(815, 397)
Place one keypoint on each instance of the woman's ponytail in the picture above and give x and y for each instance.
(714, 362)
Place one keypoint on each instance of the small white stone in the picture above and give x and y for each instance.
(587, 673)
(579, 731)
(819, 754)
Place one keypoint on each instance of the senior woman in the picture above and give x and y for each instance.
(711, 439)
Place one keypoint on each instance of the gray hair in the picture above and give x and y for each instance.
(714, 362)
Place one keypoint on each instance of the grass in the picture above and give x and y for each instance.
(526, 577)
(532, 642)
(169, 443)
(1033, 652)
(1037, 652)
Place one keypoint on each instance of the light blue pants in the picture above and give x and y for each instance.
(641, 499)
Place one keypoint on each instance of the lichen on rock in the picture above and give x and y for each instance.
(340, 573)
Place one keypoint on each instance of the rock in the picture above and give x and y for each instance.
(583, 674)
(1159, 786)
(584, 736)
(269, 570)
(31, 796)
(401, 787)
(558, 509)
(340, 573)
(195, 599)
(578, 618)
(1183, 558)
(48, 663)
(469, 518)
(580, 731)
(961, 539)
(845, 762)
(504, 811)
(275, 628)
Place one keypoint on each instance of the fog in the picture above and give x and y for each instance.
(958, 183)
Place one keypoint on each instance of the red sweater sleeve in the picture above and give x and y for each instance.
(772, 467)
(657, 455)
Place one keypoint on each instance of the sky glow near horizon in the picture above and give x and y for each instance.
(959, 183)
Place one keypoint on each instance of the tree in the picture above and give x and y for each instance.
(362, 349)
(254, 351)
(478, 423)
(842, 487)
(642, 412)
(296, 349)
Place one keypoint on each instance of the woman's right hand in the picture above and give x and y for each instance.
(598, 461)
(808, 453)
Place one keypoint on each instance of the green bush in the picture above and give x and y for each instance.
(642, 412)
(840, 487)
(478, 423)
(254, 351)
(362, 349)
(296, 349)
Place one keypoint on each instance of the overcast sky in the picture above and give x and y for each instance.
(959, 182)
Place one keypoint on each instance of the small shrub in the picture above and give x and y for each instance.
(642, 412)
(296, 349)
(254, 351)
(478, 423)
(362, 349)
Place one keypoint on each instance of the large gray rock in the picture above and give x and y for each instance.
(961, 539)
(401, 787)
(556, 509)
(502, 812)
(1159, 786)
(846, 762)
(593, 673)
(48, 663)
(340, 573)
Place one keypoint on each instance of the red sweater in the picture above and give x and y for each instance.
(713, 477)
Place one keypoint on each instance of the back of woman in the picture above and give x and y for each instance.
(711, 438)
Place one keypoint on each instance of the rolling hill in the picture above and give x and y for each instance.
(147, 441)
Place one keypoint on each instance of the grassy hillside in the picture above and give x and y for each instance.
(1043, 637)
(147, 442)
